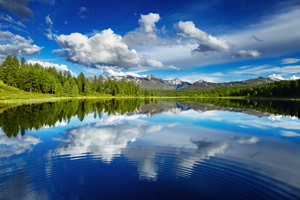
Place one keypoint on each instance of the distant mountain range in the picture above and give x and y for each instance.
(153, 83)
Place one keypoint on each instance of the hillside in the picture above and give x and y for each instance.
(203, 85)
(8, 92)
(151, 82)
(277, 89)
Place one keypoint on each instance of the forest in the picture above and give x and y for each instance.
(20, 119)
(28, 117)
(278, 89)
(36, 78)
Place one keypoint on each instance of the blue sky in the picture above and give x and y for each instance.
(214, 40)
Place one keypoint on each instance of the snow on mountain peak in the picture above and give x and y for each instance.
(201, 81)
(149, 77)
(276, 77)
(176, 81)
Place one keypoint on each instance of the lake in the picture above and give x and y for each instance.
(151, 149)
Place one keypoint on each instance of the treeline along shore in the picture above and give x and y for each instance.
(37, 80)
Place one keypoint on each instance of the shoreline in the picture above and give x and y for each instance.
(21, 101)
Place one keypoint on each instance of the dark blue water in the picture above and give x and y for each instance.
(161, 150)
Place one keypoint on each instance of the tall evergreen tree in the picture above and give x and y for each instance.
(59, 90)
(22, 61)
(6, 65)
(35, 78)
(81, 82)
(12, 72)
(67, 88)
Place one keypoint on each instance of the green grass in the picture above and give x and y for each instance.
(11, 96)
(8, 92)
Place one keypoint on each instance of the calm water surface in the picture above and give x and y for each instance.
(151, 150)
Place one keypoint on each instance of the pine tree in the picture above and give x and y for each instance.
(87, 88)
(6, 66)
(35, 78)
(67, 88)
(29, 81)
(52, 83)
(45, 83)
(22, 61)
(21, 79)
(81, 82)
(59, 90)
(11, 72)
(75, 90)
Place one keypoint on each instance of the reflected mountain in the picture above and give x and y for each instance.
(17, 120)
(151, 142)
(147, 144)
(252, 107)
(33, 117)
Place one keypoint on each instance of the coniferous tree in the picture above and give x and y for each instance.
(35, 78)
(67, 88)
(81, 82)
(59, 90)
(6, 65)
(12, 71)
(22, 61)
(52, 82)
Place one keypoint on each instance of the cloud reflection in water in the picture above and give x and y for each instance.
(16, 145)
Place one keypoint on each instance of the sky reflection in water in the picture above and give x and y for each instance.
(195, 151)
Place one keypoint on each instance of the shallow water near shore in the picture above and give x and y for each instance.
(151, 149)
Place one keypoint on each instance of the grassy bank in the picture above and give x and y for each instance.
(46, 98)
(7, 92)
(11, 96)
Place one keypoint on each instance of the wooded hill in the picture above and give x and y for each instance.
(280, 89)
(36, 78)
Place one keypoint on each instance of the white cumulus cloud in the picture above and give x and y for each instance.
(16, 45)
(206, 42)
(58, 67)
(110, 72)
(146, 34)
(274, 36)
(147, 22)
(103, 49)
